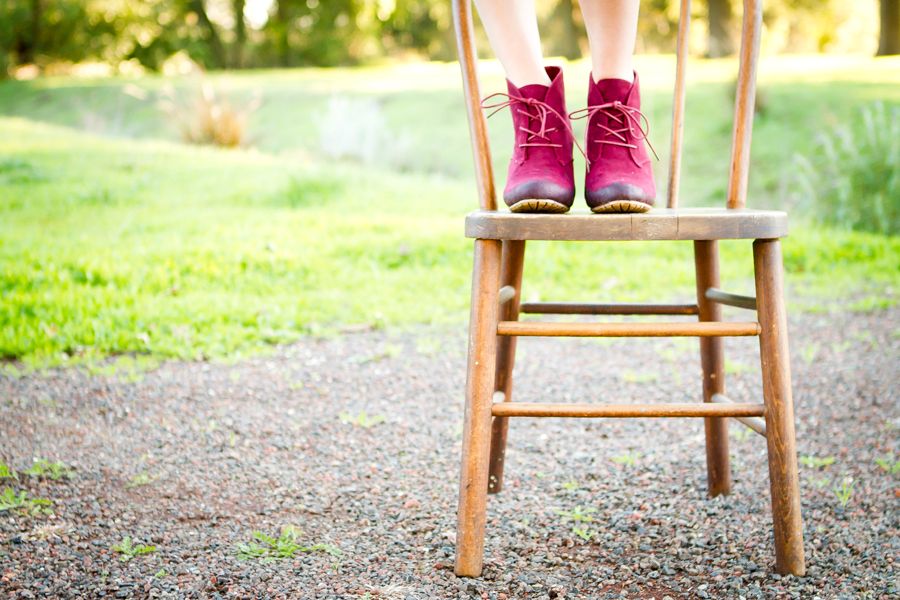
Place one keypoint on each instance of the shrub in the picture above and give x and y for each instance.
(210, 117)
(358, 130)
(853, 178)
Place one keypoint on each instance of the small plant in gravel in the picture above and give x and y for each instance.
(808, 353)
(579, 516)
(741, 433)
(840, 348)
(361, 419)
(816, 462)
(736, 368)
(268, 548)
(141, 479)
(10, 500)
(888, 464)
(7, 472)
(583, 533)
(570, 486)
(628, 459)
(843, 491)
(820, 482)
(128, 549)
(633, 377)
(50, 470)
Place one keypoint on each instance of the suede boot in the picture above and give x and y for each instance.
(619, 177)
(540, 176)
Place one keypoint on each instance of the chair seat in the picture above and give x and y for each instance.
(658, 224)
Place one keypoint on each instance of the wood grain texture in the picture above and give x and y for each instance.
(658, 224)
(476, 443)
(468, 61)
(712, 361)
(776, 384)
(542, 329)
(512, 262)
(581, 308)
(677, 147)
(550, 409)
(745, 106)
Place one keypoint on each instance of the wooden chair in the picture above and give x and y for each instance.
(500, 238)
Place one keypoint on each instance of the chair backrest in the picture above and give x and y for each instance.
(745, 97)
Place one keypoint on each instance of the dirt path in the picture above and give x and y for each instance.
(195, 457)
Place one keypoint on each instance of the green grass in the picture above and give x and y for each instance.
(127, 549)
(120, 240)
(267, 548)
(21, 503)
(44, 469)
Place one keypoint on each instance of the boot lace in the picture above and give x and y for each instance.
(535, 110)
(632, 124)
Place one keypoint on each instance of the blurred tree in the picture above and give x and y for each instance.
(889, 37)
(720, 41)
(240, 33)
(560, 32)
(259, 33)
(211, 34)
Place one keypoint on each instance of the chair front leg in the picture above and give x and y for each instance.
(712, 359)
(776, 380)
(513, 259)
(476, 441)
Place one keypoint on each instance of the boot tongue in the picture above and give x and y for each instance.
(610, 90)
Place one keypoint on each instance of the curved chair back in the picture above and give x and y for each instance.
(745, 97)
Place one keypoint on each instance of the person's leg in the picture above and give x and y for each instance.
(619, 176)
(611, 28)
(512, 29)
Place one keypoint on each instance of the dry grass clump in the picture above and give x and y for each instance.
(209, 117)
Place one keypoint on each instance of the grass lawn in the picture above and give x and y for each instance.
(115, 238)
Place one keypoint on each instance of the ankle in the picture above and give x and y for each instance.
(606, 73)
(522, 79)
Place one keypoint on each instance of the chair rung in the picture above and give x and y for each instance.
(699, 329)
(543, 409)
(577, 308)
(755, 423)
(721, 297)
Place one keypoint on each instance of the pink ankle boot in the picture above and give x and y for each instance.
(540, 177)
(619, 176)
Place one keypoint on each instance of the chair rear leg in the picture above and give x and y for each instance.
(776, 379)
(512, 261)
(712, 359)
(477, 426)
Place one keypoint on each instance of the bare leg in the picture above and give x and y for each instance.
(511, 27)
(611, 28)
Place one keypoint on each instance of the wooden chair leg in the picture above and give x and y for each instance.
(479, 391)
(780, 437)
(512, 261)
(712, 359)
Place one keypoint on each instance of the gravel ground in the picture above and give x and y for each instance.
(221, 451)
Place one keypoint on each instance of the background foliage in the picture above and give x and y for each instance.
(267, 33)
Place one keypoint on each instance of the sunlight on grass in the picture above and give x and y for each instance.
(146, 247)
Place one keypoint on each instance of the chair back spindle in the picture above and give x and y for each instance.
(744, 104)
(681, 53)
(465, 42)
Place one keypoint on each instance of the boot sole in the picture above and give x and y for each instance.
(622, 206)
(539, 206)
